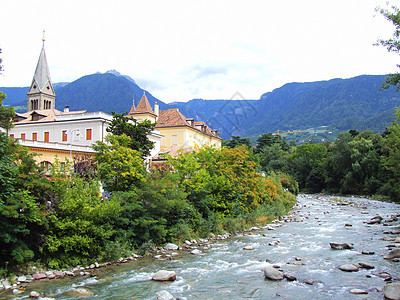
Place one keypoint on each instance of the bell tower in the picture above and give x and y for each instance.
(41, 94)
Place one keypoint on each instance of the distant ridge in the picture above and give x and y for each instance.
(354, 103)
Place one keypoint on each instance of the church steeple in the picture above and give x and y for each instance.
(41, 94)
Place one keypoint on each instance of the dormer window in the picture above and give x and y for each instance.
(34, 86)
(36, 117)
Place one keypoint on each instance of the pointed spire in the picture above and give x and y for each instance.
(132, 111)
(42, 73)
(41, 94)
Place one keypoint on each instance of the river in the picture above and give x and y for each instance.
(299, 246)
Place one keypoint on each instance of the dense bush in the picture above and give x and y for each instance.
(63, 220)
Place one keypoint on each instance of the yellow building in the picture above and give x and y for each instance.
(179, 132)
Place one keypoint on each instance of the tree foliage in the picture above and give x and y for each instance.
(23, 210)
(80, 224)
(119, 166)
(392, 44)
(137, 131)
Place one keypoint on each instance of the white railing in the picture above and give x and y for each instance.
(55, 146)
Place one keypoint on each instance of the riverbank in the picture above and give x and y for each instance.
(19, 284)
(300, 247)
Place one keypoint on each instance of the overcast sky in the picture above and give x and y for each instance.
(180, 50)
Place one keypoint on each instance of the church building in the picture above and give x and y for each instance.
(63, 134)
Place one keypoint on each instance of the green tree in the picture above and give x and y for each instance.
(273, 158)
(80, 226)
(268, 139)
(22, 209)
(391, 14)
(307, 166)
(119, 167)
(391, 159)
(137, 131)
(236, 141)
(353, 163)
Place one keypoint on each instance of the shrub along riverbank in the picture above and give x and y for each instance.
(61, 221)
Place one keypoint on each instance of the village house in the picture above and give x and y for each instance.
(178, 132)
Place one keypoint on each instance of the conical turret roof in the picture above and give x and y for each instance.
(42, 73)
(144, 106)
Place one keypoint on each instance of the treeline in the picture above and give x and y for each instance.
(360, 163)
(62, 220)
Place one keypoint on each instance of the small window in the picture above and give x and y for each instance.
(64, 136)
(174, 139)
(46, 136)
(34, 136)
(88, 134)
(11, 135)
(35, 117)
(23, 136)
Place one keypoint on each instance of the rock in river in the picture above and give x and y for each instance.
(163, 275)
(34, 294)
(164, 295)
(358, 291)
(171, 246)
(375, 220)
(392, 291)
(348, 268)
(273, 274)
(248, 248)
(366, 265)
(341, 246)
(395, 253)
(196, 252)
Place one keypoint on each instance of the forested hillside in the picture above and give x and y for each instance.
(340, 104)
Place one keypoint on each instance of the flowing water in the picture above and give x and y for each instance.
(226, 271)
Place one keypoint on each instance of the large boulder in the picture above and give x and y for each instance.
(366, 265)
(349, 268)
(196, 252)
(39, 276)
(171, 246)
(34, 294)
(341, 246)
(273, 274)
(392, 291)
(163, 275)
(395, 253)
(375, 220)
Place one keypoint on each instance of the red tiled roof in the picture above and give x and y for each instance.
(143, 107)
(173, 118)
(48, 115)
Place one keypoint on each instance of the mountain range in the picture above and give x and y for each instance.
(340, 104)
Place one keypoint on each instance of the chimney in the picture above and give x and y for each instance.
(66, 109)
(156, 110)
(190, 121)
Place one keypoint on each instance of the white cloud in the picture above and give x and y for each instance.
(179, 50)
